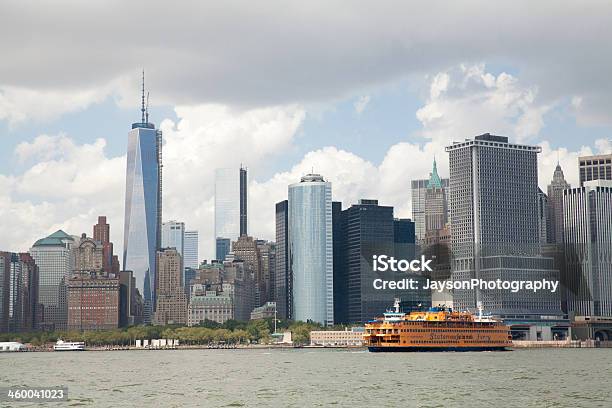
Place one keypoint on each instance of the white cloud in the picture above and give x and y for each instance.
(468, 100)
(361, 103)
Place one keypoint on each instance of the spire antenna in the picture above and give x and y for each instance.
(142, 107)
(147, 109)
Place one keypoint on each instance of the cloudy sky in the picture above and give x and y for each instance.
(366, 93)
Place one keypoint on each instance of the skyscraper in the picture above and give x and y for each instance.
(283, 290)
(101, 234)
(143, 206)
(555, 206)
(231, 204)
(588, 248)
(597, 167)
(544, 221)
(494, 225)
(173, 236)
(436, 207)
(54, 258)
(223, 247)
(366, 230)
(419, 199)
(311, 249)
(191, 258)
(5, 290)
(171, 298)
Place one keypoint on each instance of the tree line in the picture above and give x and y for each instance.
(207, 332)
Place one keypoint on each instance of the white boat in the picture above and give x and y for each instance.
(11, 346)
(62, 345)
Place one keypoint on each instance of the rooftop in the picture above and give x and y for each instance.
(58, 238)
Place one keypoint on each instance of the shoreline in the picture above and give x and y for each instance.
(520, 344)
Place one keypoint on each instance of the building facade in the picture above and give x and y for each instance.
(101, 234)
(265, 311)
(191, 258)
(88, 255)
(143, 207)
(419, 190)
(223, 247)
(5, 290)
(171, 298)
(54, 258)
(311, 249)
(173, 236)
(93, 301)
(588, 248)
(555, 206)
(598, 167)
(283, 279)
(494, 226)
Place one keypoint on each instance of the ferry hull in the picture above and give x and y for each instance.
(383, 349)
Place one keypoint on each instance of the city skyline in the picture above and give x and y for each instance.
(64, 126)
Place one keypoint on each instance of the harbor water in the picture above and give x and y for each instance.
(317, 377)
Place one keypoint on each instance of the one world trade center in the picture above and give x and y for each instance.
(143, 192)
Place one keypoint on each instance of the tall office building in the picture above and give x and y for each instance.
(231, 204)
(283, 288)
(223, 247)
(31, 312)
(143, 205)
(267, 253)
(246, 249)
(494, 226)
(419, 199)
(436, 206)
(54, 258)
(368, 229)
(191, 259)
(588, 248)
(171, 298)
(598, 167)
(311, 249)
(173, 236)
(101, 234)
(5, 290)
(544, 220)
(555, 206)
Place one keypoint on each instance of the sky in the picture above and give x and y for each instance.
(366, 94)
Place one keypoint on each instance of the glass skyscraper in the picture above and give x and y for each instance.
(231, 204)
(311, 249)
(143, 198)
(53, 256)
(191, 257)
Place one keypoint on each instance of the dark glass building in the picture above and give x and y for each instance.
(283, 279)
(368, 229)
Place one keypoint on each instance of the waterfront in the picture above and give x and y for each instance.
(318, 377)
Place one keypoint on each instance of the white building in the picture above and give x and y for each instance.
(337, 338)
(587, 233)
(191, 258)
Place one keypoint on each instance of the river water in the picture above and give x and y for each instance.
(317, 377)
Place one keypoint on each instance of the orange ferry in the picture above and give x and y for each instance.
(438, 329)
